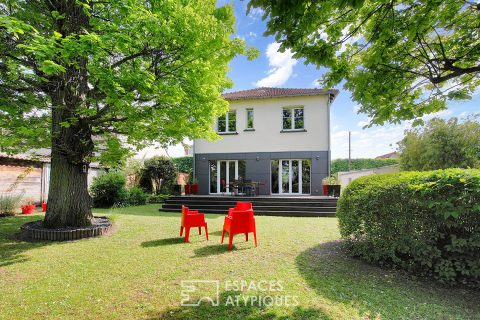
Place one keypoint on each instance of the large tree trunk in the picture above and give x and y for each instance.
(69, 203)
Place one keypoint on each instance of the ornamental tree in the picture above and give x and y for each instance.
(93, 80)
(401, 59)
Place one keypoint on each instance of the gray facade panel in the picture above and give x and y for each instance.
(258, 167)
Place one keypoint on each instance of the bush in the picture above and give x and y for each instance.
(136, 196)
(359, 164)
(184, 164)
(424, 222)
(162, 172)
(108, 189)
(9, 203)
(157, 198)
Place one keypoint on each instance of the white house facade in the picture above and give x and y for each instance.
(276, 137)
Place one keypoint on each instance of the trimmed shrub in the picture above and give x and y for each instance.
(136, 196)
(108, 189)
(184, 164)
(157, 198)
(427, 223)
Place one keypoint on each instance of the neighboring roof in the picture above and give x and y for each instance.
(264, 92)
(391, 155)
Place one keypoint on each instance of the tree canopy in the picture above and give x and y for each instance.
(442, 144)
(400, 59)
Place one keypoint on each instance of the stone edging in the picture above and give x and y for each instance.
(34, 231)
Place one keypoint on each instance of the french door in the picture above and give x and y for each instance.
(291, 176)
(223, 173)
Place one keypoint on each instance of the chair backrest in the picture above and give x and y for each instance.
(243, 221)
(243, 206)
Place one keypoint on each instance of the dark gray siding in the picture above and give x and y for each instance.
(258, 167)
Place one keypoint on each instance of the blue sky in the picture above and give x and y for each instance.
(275, 69)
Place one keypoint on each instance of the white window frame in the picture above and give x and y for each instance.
(292, 118)
(253, 119)
(227, 130)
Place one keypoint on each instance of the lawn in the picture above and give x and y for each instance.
(136, 272)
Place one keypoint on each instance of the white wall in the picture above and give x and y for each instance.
(346, 177)
(268, 124)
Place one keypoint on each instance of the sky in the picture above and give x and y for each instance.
(276, 69)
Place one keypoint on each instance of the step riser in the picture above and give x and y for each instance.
(263, 203)
(255, 208)
(278, 214)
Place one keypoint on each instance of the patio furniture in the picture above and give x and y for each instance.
(192, 219)
(241, 206)
(239, 221)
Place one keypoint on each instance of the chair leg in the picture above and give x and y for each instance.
(206, 231)
(199, 230)
(223, 235)
(246, 236)
(230, 241)
(181, 231)
(255, 237)
(187, 233)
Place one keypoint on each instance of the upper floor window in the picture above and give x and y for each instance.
(293, 118)
(227, 122)
(249, 118)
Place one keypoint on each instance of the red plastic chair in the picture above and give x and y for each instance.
(192, 219)
(241, 206)
(239, 222)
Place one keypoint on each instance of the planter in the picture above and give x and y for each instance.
(177, 190)
(333, 190)
(188, 189)
(325, 191)
(28, 209)
(44, 207)
(194, 188)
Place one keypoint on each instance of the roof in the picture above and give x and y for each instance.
(391, 155)
(264, 92)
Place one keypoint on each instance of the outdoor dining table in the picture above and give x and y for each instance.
(235, 186)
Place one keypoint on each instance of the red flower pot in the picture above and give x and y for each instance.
(44, 207)
(194, 188)
(28, 209)
(188, 189)
(325, 190)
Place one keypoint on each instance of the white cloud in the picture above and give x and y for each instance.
(282, 66)
(256, 13)
(252, 35)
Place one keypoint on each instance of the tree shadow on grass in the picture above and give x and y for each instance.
(248, 309)
(378, 293)
(11, 247)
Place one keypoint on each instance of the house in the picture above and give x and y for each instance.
(277, 137)
(391, 155)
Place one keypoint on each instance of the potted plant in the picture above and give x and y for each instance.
(194, 186)
(188, 188)
(332, 185)
(28, 206)
(44, 207)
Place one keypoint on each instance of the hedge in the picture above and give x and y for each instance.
(361, 163)
(427, 223)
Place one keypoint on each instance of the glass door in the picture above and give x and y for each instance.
(225, 172)
(290, 176)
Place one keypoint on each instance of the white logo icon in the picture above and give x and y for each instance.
(191, 287)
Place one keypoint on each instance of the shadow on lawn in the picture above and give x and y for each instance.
(380, 293)
(12, 248)
(162, 242)
(248, 309)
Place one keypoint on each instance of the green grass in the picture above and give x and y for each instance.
(136, 273)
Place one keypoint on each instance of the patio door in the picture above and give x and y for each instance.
(291, 176)
(223, 173)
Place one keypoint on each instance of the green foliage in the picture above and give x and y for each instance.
(9, 204)
(442, 144)
(157, 198)
(332, 180)
(427, 223)
(134, 170)
(162, 171)
(108, 189)
(400, 59)
(359, 164)
(184, 164)
(136, 196)
(113, 69)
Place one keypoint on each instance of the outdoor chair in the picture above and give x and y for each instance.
(237, 222)
(192, 219)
